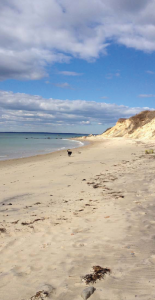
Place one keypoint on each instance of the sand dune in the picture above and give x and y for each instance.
(140, 126)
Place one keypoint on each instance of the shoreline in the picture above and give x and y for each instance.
(60, 216)
(39, 157)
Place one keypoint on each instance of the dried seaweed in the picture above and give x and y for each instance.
(29, 223)
(40, 295)
(15, 222)
(3, 230)
(96, 186)
(98, 274)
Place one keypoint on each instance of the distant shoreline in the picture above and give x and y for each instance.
(37, 132)
(42, 157)
(18, 146)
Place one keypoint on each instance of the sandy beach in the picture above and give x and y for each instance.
(60, 216)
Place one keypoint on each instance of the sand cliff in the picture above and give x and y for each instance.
(141, 125)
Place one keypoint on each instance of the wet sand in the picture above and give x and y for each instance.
(60, 216)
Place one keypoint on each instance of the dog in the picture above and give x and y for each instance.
(69, 152)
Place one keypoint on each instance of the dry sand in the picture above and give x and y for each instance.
(60, 216)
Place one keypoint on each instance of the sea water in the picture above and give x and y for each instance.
(18, 145)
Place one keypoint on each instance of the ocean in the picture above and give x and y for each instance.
(18, 145)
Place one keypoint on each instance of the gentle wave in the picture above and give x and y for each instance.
(25, 145)
(63, 148)
(74, 141)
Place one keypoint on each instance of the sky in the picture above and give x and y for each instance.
(75, 66)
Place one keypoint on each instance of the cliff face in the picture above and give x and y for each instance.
(139, 126)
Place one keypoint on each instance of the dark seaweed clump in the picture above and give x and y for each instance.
(98, 274)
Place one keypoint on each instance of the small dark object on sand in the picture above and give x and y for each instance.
(40, 295)
(15, 222)
(29, 223)
(98, 273)
(3, 230)
(69, 152)
(96, 186)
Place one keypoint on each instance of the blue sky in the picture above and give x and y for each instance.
(75, 68)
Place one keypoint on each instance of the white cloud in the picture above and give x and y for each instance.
(146, 96)
(36, 33)
(68, 73)
(85, 122)
(111, 75)
(117, 74)
(29, 112)
(150, 72)
(63, 85)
